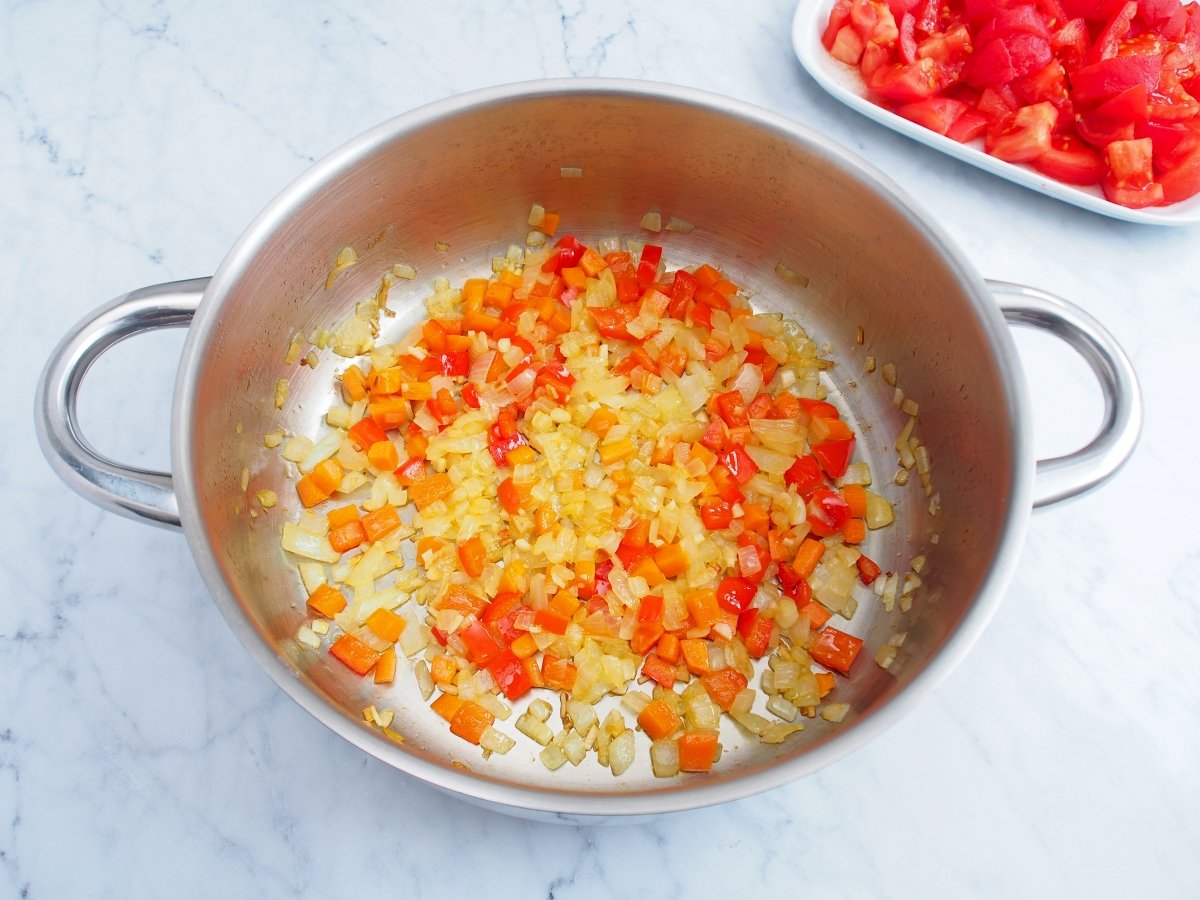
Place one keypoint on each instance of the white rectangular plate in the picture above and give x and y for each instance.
(845, 83)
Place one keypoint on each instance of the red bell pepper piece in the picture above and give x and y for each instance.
(834, 456)
(647, 268)
(715, 513)
(735, 594)
(739, 464)
(805, 475)
(482, 647)
(510, 675)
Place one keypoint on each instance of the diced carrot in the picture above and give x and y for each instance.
(551, 621)
(428, 545)
(326, 601)
(724, 685)
(470, 721)
(668, 648)
(388, 412)
(808, 556)
(707, 275)
(416, 444)
(558, 674)
(564, 603)
(855, 496)
(310, 494)
(447, 705)
(498, 294)
(671, 560)
(658, 720)
(383, 456)
(645, 636)
(343, 515)
(386, 625)
(416, 390)
(592, 262)
(695, 655)
(825, 683)
(354, 654)
(327, 475)
(443, 669)
(697, 751)
(473, 556)
(366, 432)
(520, 455)
(602, 420)
(755, 517)
(648, 569)
(512, 279)
(524, 646)
(817, 614)
(387, 381)
(355, 383)
(703, 608)
(512, 579)
(575, 277)
(380, 523)
(473, 290)
(510, 496)
(544, 519)
(385, 669)
(459, 599)
(477, 321)
(347, 537)
(616, 451)
(549, 223)
(434, 488)
(835, 649)
(854, 531)
(534, 673)
(659, 670)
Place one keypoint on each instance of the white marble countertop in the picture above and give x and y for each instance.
(142, 752)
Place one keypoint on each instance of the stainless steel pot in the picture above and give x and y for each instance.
(761, 189)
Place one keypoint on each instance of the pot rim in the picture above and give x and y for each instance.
(569, 803)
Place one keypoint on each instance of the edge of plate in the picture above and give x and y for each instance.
(833, 77)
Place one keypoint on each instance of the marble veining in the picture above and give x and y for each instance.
(143, 754)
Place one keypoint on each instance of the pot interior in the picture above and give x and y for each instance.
(759, 192)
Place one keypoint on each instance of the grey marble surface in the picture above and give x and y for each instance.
(143, 754)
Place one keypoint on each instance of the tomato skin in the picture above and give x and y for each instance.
(1182, 180)
(1151, 194)
(938, 114)
(1109, 77)
(1006, 58)
(1070, 162)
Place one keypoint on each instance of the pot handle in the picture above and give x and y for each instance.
(1068, 476)
(130, 492)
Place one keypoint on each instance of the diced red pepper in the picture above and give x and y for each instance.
(735, 594)
(739, 464)
(509, 674)
(647, 268)
(805, 475)
(715, 513)
(482, 647)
